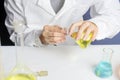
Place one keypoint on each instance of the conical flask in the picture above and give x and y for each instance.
(82, 43)
(104, 68)
(20, 71)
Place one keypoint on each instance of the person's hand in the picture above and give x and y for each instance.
(86, 27)
(53, 35)
(119, 71)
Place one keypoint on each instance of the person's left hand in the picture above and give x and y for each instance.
(53, 34)
(84, 26)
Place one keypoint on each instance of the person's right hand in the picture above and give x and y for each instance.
(119, 71)
(53, 34)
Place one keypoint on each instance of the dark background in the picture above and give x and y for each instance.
(4, 35)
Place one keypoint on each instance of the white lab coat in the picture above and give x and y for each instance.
(37, 13)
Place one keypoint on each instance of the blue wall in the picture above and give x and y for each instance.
(114, 40)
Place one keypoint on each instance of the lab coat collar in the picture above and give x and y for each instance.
(46, 5)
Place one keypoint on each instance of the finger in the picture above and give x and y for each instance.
(55, 28)
(50, 28)
(48, 40)
(64, 30)
(86, 35)
(53, 34)
(46, 27)
(82, 29)
(55, 39)
(73, 26)
(94, 35)
(57, 42)
(45, 33)
(60, 29)
(61, 41)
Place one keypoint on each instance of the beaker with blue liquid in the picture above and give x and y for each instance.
(104, 68)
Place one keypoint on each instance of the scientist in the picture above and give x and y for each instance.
(53, 21)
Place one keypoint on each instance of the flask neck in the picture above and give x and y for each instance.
(19, 39)
(19, 44)
(107, 54)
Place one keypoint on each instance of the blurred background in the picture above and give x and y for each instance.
(4, 35)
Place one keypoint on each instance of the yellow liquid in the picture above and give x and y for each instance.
(82, 43)
(43, 73)
(21, 77)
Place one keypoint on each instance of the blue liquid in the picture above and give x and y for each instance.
(104, 69)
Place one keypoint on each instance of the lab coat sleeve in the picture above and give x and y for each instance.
(106, 15)
(15, 12)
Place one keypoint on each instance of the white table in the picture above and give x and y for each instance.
(62, 62)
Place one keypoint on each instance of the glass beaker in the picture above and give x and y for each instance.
(104, 68)
(82, 43)
(20, 71)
